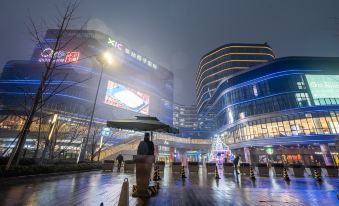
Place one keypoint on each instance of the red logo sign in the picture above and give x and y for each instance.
(72, 57)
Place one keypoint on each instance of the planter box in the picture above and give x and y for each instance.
(297, 170)
(210, 167)
(108, 165)
(129, 166)
(161, 165)
(176, 166)
(278, 169)
(245, 168)
(193, 166)
(228, 168)
(263, 170)
(332, 171)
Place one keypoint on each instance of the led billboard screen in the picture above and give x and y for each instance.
(123, 97)
(323, 86)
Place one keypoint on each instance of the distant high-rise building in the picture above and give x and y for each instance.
(185, 116)
(224, 62)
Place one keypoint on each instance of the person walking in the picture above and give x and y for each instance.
(120, 159)
(236, 163)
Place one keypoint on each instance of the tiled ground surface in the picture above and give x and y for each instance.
(92, 188)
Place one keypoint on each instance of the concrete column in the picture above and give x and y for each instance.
(171, 157)
(326, 154)
(156, 152)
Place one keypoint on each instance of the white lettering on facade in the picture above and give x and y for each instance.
(121, 47)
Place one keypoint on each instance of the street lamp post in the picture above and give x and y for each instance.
(81, 156)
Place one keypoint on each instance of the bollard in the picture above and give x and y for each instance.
(317, 176)
(183, 176)
(124, 196)
(285, 175)
(134, 188)
(252, 174)
(216, 173)
(156, 175)
(153, 189)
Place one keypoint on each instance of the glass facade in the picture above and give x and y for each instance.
(224, 62)
(295, 124)
(276, 100)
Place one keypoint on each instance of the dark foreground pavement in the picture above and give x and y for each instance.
(92, 188)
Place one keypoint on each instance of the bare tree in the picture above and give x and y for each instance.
(96, 150)
(94, 141)
(38, 100)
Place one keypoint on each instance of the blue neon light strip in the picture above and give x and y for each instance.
(48, 93)
(38, 82)
(257, 141)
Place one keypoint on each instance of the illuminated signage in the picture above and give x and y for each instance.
(113, 43)
(60, 56)
(123, 97)
(323, 86)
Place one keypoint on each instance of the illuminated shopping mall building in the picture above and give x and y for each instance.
(282, 110)
(223, 62)
(131, 85)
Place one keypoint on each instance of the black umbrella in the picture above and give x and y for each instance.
(142, 123)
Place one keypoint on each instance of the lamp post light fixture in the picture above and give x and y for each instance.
(106, 57)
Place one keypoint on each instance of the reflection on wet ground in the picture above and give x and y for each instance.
(92, 188)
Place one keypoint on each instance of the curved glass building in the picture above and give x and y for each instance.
(283, 111)
(223, 62)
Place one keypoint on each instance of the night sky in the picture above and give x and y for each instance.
(176, 33)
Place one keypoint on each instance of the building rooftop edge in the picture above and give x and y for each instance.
(234, 44)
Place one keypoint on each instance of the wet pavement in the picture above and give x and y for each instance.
(92, 188)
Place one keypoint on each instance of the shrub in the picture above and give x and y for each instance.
(129, 162)
(261, 165)
(228, 164)
(277, 165)
(160, 162)
(244, 164)
(22, 170)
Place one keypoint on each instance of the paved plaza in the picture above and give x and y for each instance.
(92, 188)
